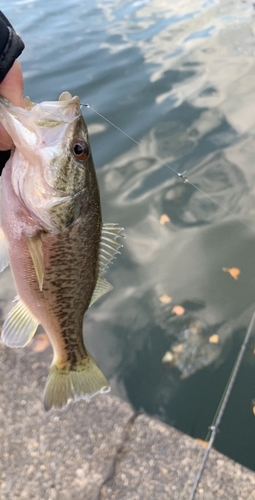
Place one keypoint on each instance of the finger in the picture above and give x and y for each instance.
(11, 88)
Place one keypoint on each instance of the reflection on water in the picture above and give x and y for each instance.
(193, 350)
(179, 78)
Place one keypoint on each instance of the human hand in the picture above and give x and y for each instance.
(12, 88)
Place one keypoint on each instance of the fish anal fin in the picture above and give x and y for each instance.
(19, 326)
(4, 254)
(102, 287)
(73, 382)
(35, 247)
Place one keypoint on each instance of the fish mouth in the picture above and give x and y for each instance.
(12, 118)
(35, 126)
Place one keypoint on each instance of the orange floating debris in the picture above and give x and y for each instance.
(253, 410)
(177, 348)
(233, 271)
(214, 339)
(165, 299)
(178, 310)
(41, 342)
(163, 219)
(204, 443)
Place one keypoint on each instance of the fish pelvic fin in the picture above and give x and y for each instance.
(19, 326)
(73, 383)
(4, 254)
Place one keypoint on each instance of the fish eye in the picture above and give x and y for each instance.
(80, 149)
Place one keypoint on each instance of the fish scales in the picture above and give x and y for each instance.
(64, 297)
(51, 233)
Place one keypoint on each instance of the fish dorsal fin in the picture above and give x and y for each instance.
(109, 246)
(34, 244)
(102, 287)
(19, 326)
(4, 254)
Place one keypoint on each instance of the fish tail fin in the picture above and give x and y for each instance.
(73, 382)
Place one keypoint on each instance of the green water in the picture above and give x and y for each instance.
(179, 77)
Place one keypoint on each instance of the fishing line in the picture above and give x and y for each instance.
(183, 177)
(222, 406)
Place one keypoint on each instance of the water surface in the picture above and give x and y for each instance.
(179, 77)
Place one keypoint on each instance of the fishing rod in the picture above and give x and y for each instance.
(222, 405)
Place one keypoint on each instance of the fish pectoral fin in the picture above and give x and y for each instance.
(102, 287)
(19, 326)
(35, 247)
(4, 254)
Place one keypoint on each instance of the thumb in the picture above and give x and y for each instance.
(11, 88)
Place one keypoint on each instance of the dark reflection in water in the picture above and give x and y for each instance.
(179, 78)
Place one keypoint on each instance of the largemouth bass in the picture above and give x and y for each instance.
(53, 237)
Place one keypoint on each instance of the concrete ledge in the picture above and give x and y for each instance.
(97, 450)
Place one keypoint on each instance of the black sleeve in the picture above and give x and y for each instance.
(11, 47)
